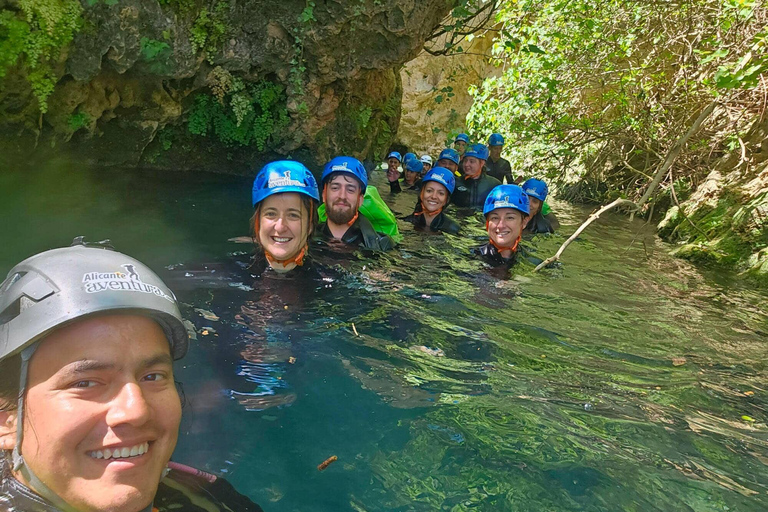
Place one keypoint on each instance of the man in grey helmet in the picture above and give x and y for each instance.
(89, 410)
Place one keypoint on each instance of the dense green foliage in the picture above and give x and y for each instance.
(239, 113)
(599, 91)
(35, 37)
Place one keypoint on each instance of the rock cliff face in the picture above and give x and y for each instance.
(435, 97)
(220, 84)
(725, 220)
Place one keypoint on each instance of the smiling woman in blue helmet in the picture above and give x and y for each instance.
(437, 186)
(285, 198)
(506, 213)
(540, 221)
(89, 410)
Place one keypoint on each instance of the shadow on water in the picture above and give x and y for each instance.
(622, 380)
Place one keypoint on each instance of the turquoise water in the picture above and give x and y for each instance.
(622, 380)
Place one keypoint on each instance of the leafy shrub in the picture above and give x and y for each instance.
(35, 37)
(248, 114)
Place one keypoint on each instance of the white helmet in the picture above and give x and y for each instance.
(48, 290)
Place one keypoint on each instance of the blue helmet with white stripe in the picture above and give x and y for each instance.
(507, 196)
(450, 154)
(346, 165)
(413, 165)
(462, 137)
(536, 188)
(479, 151)
(442, 176)
(395, 154)
(496, 139)
(283, 176)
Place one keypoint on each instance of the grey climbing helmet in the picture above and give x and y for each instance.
(53, 288)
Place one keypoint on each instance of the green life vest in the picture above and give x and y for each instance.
(376, 211)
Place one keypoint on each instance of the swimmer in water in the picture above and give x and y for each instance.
(449, 158)
(393, 164)
(506, 213)
(344, 183)
(460, 143)
(541, 221)
(427, 161)
(285, 198)
(411, 180)
(89, 409)
(438, 185)
(475, 185)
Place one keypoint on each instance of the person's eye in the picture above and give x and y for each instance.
(83, 384)
(154, 377)
(270, 215)
(294, 216)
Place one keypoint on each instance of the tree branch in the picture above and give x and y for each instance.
(593, 217)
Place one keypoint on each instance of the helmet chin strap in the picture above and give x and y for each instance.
(19, 465)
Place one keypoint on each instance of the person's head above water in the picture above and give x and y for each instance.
(449, 158)
(495, 143)
(393, 161)
(537, 191)
(89, 410)
(460, 143)
(344, 183)
(506, 213)
(438, 185)
(427, 161)
(413, 170)
(285, 198)
(474, 160)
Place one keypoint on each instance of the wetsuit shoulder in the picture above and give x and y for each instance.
(445, 224)
(539, 224)
(371, 239)
(192, 490)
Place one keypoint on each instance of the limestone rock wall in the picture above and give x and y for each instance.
(435, 98)
(127, 82)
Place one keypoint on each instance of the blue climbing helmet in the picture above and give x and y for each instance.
(479, 151)
(536, 188)
(496, 140)
(462, 137)
(347, 165)
(450, 154)
(409, 156)
(414, 165)
(283, 176)
(506, 196)
(442, 176)
(395, 154)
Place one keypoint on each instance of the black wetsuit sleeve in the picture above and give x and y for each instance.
(385, 243)
(553, 222)
(394, 186)
(450, 226)
(506, 170)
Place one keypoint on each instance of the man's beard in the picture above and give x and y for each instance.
(340, 217)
